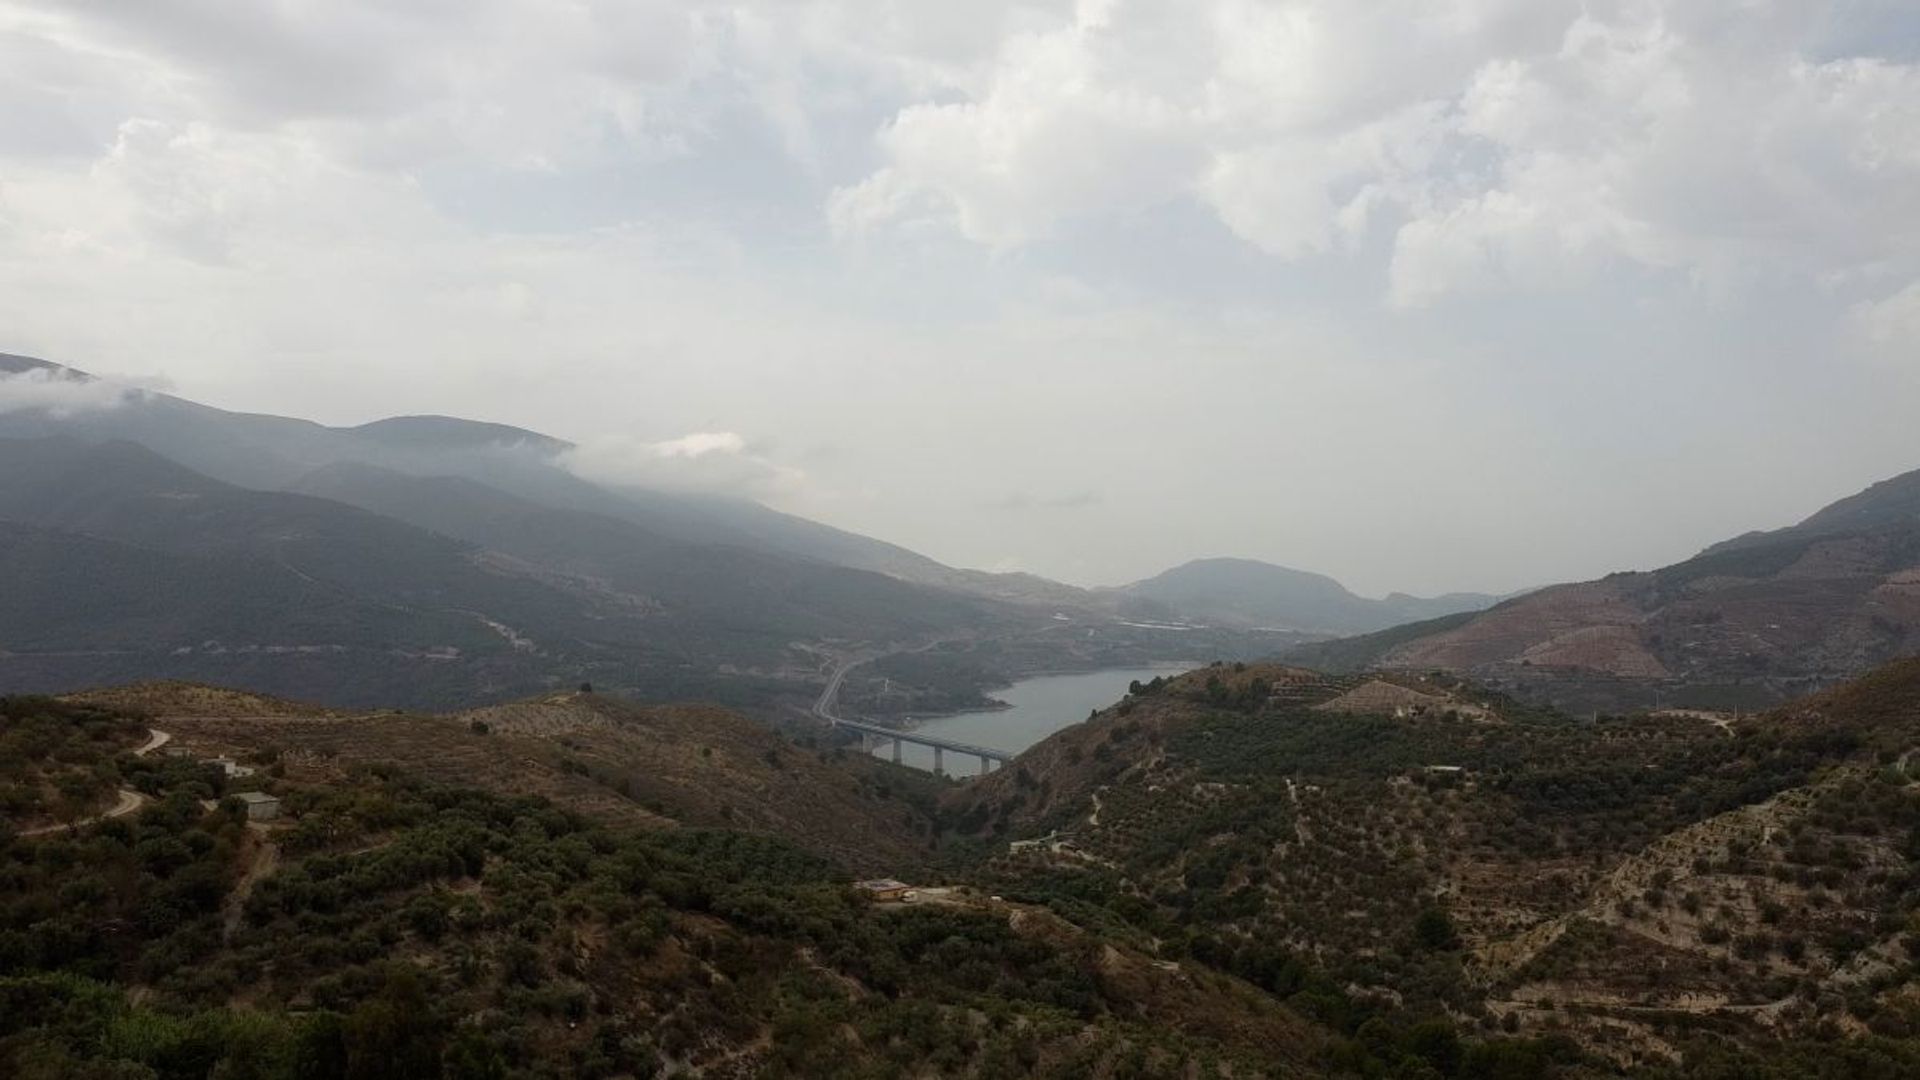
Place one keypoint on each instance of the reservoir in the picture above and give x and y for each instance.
(1040, 707)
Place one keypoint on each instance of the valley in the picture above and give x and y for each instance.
(578, 780)
(895, 540)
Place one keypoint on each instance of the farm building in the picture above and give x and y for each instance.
(260, 805)
(885, 890)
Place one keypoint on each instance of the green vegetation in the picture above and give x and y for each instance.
(1362, 867)
(57, 761)
(1268, 890)
(396, 928)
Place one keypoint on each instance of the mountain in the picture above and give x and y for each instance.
(268, 452)
(1257, 594)
(804, 598)
(1675, 894)
(1747, 622)
(479, 541)
(122, 564)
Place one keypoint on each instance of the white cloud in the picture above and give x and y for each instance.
(59, 393)
(1146, 249)
(712, 462)
(1499, 145)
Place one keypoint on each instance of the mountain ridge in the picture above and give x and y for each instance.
(1747, 622)
(1259, 594)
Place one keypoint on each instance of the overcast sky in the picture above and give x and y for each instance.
(1427, 295)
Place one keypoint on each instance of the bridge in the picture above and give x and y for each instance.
(989, 757)
(823, 708)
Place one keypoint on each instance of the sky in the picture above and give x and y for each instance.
(1428, 295)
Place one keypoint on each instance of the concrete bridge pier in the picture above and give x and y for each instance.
(986, 764)
(896, 751)
(937, 769)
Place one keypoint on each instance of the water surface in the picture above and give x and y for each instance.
(1041, 706)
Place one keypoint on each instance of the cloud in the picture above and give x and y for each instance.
(1030, 244)
(60, 394)
(1491, 145)
(707, 462)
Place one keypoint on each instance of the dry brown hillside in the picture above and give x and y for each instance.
(168, 697)
(1747, 625)
(618, 763)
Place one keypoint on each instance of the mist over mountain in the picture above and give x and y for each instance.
(383, 557)
(435, 561)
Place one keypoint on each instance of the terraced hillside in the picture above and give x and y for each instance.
(1666, 891)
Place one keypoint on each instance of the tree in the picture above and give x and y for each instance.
(393, 1035)
(1434, 931)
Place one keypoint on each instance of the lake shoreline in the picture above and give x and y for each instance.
(1033, 708)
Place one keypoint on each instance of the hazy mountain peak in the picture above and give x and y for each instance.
(1256, 593)
(432, 432)
(12, 364)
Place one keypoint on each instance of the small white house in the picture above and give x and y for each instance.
(260, 805)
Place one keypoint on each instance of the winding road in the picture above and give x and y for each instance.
(823, 708)
(130, 800)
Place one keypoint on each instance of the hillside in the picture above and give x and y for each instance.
(1249, 593)
(1251, 870)
(386, 924)
(123, 565)
(617, 763)
(799, 599)
(1746, 623)
(1683, 892)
